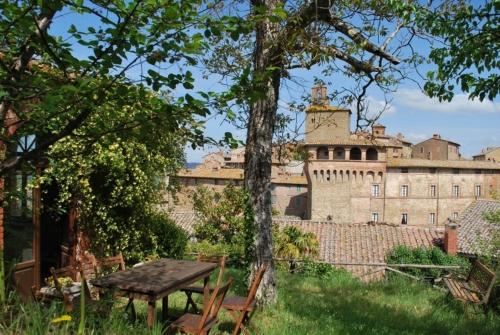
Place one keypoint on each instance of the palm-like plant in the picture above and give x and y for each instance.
(292, 243)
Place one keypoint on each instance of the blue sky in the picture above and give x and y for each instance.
(473, 124)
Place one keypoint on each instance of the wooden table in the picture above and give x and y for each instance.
(156, 280)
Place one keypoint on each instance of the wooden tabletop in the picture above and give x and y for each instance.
(157, 278)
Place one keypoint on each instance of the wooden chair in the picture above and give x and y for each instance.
(199, 289)
(241, 308)
(110, 264)
(59, 292)
(202, 324)
(476, 288)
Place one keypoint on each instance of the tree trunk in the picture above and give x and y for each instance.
(258, 154)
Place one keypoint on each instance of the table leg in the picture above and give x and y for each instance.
(151, 313)
(164, 309)
(206, 291)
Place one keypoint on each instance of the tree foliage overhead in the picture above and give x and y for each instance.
(114, 182)
(467, 58)
(57, 72)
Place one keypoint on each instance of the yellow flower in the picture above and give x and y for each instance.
(62, 318)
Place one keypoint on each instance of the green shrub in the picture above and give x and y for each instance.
(234, 252)
(310, 268)
(171, 240)
(427, 256)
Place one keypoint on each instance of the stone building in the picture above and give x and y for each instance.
(289, 193)
(360, 177)
(489, 154)
(436, 148)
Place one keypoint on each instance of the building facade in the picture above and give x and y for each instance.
(361, 177)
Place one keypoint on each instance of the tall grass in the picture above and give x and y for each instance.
(337, 304)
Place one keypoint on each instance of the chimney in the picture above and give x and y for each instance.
(451, 237)
(436, 136)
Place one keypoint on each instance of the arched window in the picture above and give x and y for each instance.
(355, 154)
(371, 154)
(339, 153)
(322, 153)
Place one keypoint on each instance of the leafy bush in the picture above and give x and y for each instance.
(171, 240)
(221, 215)
(310, 268)
(293, 244)
(428, 256)
(234, 252)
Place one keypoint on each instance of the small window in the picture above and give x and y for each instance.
(375, 217)
(375, 190)
(456, 171)
(455, 215)
(478, 191)
(404, 170)
(478, 171)
(421, 150)
(456, 191)
(299, 189)
(432, 170)
(432, 218)
(404, 218)
(433, 191)
(404, 191)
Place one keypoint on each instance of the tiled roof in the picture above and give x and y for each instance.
(185, 220)
(289, 180)
(350, 243)
(474, 230)
(212, 173)
(237, 174)
(458, 164)
(363, 243)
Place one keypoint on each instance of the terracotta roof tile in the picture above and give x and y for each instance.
(474, 230)
(350, 243)
(458, 164)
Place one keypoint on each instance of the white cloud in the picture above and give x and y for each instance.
(416, 137)
(374, 106)
(416, 99)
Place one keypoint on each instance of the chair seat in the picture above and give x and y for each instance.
(461, 290)
(237, 303)
(190, 322)
(194, 289)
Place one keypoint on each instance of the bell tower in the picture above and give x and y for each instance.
(325, 123)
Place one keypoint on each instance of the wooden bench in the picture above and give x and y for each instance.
(477, 288)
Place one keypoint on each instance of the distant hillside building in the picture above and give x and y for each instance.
(489, 154)
(436, 148)
(360, 177)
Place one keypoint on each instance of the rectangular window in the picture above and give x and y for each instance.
(375, 190)
(433, 192)
(478, 191)
(455, 215)
(404, 218)
(456, 191)
(375, 217)
(432, 218)
(404, 191)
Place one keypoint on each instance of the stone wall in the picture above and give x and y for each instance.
(324, 123)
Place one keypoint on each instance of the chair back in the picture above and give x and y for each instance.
(110, 264)
(254, 286)
(211, 310)
(88, 265)
(219, 259)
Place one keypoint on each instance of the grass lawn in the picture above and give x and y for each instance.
(338, 305)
